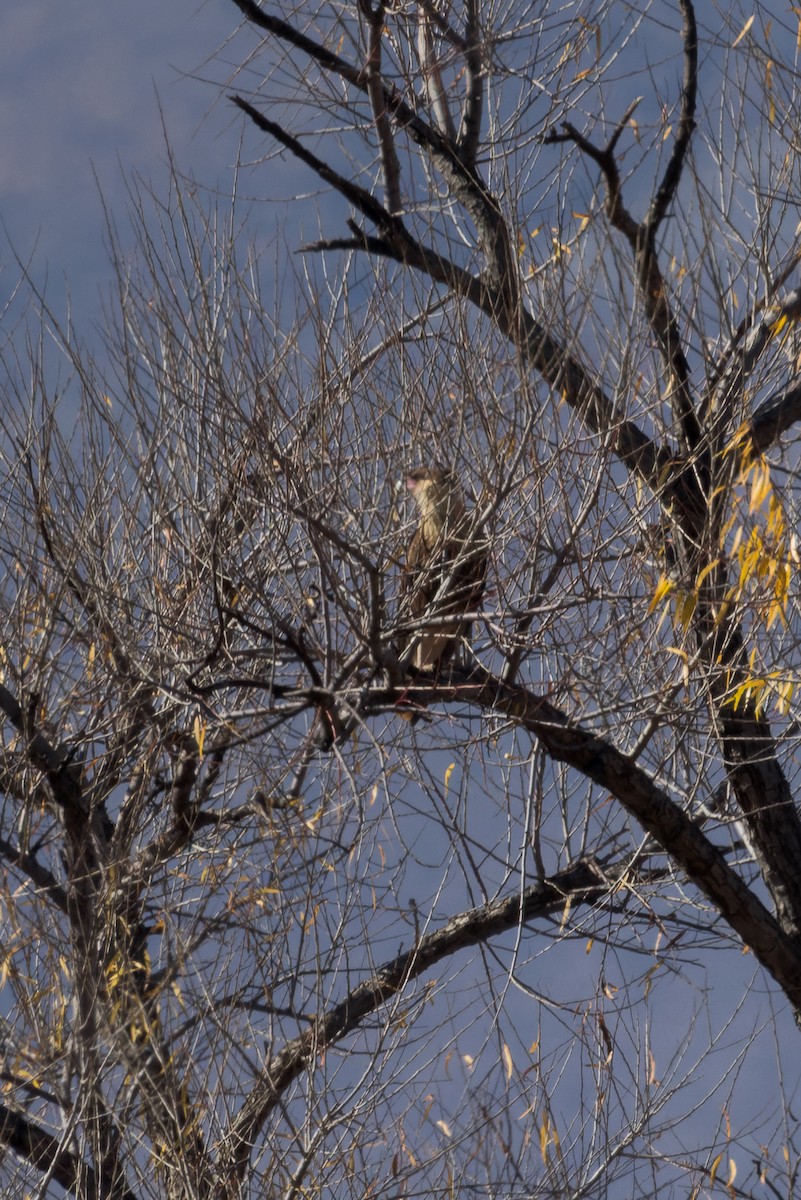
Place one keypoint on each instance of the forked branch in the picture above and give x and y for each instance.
(641, 236)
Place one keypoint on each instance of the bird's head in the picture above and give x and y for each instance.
(437, 494)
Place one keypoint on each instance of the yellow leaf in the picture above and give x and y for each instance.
(544, 1138)
(778, 325)
(708, 569)
(444, 1127)
(785, 694)
(507, 1061)
(713, 1170)
(649, 976)
(199, 730)
(750, 557)
(754, 688)
(448, 773)
(663, 589)
(776, 612)
(740, 440)
(743, 31)
(685, 609)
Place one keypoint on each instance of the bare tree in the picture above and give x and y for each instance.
(263, 935)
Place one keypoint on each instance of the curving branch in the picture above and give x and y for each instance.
(583, 883)
(37, 872)
(776, 415)
(727, 385)
(620, 775)
(460, 177)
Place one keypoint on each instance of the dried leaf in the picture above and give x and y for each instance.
(743, 31)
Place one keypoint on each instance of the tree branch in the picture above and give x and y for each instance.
(375, 90)
(673, 172)
(583, 883)
(462, 179)
(432, 76)
(470, 130)
(29, 864)
(651, 282)
(45, 1152)
(619, 774)
(776, 415)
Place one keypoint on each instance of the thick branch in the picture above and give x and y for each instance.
(642, 236)
(673, 172)
(470, 131)
(45, 1152)
(375, 90)
(461, 178)
(653, 289)
(621, 776)
(728, 384)
(583, 883)
(776, 415)
(757, 780)
(39, 874)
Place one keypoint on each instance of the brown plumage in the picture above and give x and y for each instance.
(439, 550)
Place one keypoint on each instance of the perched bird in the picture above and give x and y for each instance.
(439, 554)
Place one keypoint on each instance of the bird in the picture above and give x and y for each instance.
(441, 553)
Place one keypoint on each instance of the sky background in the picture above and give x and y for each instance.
(86, 91)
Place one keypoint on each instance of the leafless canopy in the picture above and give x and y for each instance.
(264, 936)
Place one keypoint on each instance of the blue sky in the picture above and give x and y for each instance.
(80, 88)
